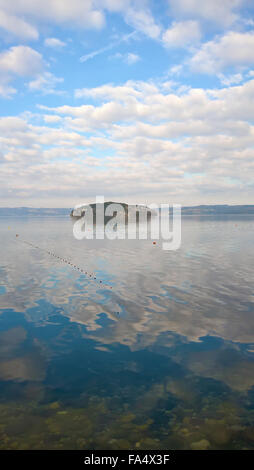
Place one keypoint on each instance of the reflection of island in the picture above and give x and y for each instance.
(112, 209)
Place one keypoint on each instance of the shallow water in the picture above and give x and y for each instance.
(158, 355)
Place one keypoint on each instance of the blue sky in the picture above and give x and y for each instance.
(142, 101)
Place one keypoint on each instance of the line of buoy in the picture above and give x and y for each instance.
(68, 262)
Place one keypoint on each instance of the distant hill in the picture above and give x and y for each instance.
(219, 209)
(33, 212)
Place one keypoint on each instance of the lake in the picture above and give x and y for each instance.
(133, 347)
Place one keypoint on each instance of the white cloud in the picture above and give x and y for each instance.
(115, 5)
(6, 91)
(142, 20)
(139, 101)
(21, 61)
(130, 58)
(136, 13)
(117, 93)
(46, 83)
(176, 70)
(151, 138)
(139, 138)
(25, 62)
(17, 26)
(229, 80)
(54, 43)
(182, 34)
(234, 49)
(218, 11)
(51, 119)
(23, 17)
(63, 12)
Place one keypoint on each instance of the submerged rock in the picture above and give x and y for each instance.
(200, 445)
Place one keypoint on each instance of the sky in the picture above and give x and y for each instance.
(145, 101)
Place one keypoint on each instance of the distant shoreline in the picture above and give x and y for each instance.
(199, 211)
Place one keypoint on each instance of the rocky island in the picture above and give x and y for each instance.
(129, 210)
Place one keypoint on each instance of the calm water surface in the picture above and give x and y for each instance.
(159, 355)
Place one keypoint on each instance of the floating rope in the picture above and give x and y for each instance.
(68, 262)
